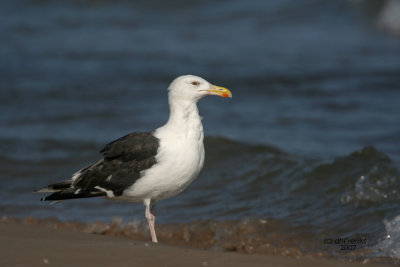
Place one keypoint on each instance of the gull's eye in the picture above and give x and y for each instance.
(195, 83)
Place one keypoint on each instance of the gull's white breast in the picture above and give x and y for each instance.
(180, 159)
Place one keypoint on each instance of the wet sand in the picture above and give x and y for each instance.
(30, 245)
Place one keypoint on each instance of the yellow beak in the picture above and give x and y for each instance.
(218, 90)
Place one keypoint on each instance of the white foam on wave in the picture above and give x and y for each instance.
(389, 245)
(376, 186)
(389, 18)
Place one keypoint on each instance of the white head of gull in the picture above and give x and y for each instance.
(148, 166)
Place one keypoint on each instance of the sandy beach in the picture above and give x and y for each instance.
(29, 245)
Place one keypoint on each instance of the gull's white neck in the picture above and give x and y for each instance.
(184, 119)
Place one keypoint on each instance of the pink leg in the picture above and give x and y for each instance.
(151, 219)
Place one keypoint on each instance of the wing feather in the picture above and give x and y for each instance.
(123, 162)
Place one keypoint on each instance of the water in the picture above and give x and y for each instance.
(310, 141)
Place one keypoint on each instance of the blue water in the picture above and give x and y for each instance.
(313, 82)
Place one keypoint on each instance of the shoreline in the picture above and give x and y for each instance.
(37, 245)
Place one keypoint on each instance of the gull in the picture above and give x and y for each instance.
(148, 166)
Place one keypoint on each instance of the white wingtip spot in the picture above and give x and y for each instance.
(109, 193)
(76, 175)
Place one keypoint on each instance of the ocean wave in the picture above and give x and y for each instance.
(242, 185)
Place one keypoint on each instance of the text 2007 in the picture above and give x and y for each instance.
(347, 247)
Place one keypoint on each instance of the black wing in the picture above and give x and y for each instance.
(124, 160)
